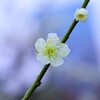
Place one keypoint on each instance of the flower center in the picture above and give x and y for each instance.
(81, 15)
(50, 51)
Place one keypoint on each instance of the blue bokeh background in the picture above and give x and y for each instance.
(22, 22)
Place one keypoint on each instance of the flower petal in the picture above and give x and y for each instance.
(53, 37)
(56, 61)
(43, 58)
(83, 11)
(40, 45)
(62, 49)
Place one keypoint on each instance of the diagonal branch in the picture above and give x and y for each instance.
(43, 71)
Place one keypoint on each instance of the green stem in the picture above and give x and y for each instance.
(85, 3)
(43, 71)
(36, 83)
(64, 39)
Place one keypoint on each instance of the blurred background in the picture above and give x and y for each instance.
(22, 22)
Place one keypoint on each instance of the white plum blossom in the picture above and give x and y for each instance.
(81, 14)
(52, 50)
